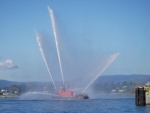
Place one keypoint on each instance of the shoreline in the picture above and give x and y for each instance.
(8, 96)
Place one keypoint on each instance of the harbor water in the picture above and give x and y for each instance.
(101, 105)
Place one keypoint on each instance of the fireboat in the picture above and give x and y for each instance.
(68, 93)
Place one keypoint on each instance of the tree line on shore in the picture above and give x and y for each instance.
(124, 87)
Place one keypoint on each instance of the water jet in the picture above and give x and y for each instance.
(67, 92)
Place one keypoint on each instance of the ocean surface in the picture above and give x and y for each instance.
(101, 105)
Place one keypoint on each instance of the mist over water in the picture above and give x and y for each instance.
(36, 96)
(81, 72)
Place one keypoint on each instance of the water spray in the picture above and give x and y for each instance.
(38, 38)
(56, 41)
(112, 58)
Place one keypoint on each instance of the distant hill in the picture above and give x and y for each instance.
(5, 83)
(102, 79)
(121, 78)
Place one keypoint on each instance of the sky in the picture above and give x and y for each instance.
(88, 31)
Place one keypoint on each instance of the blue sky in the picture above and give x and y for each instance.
(85, 28)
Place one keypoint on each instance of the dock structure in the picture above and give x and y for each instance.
(142, 95)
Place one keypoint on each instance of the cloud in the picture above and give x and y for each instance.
(7, 64)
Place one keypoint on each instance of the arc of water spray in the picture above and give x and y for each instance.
(43, 56)
(56, 41)
(113, 57)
